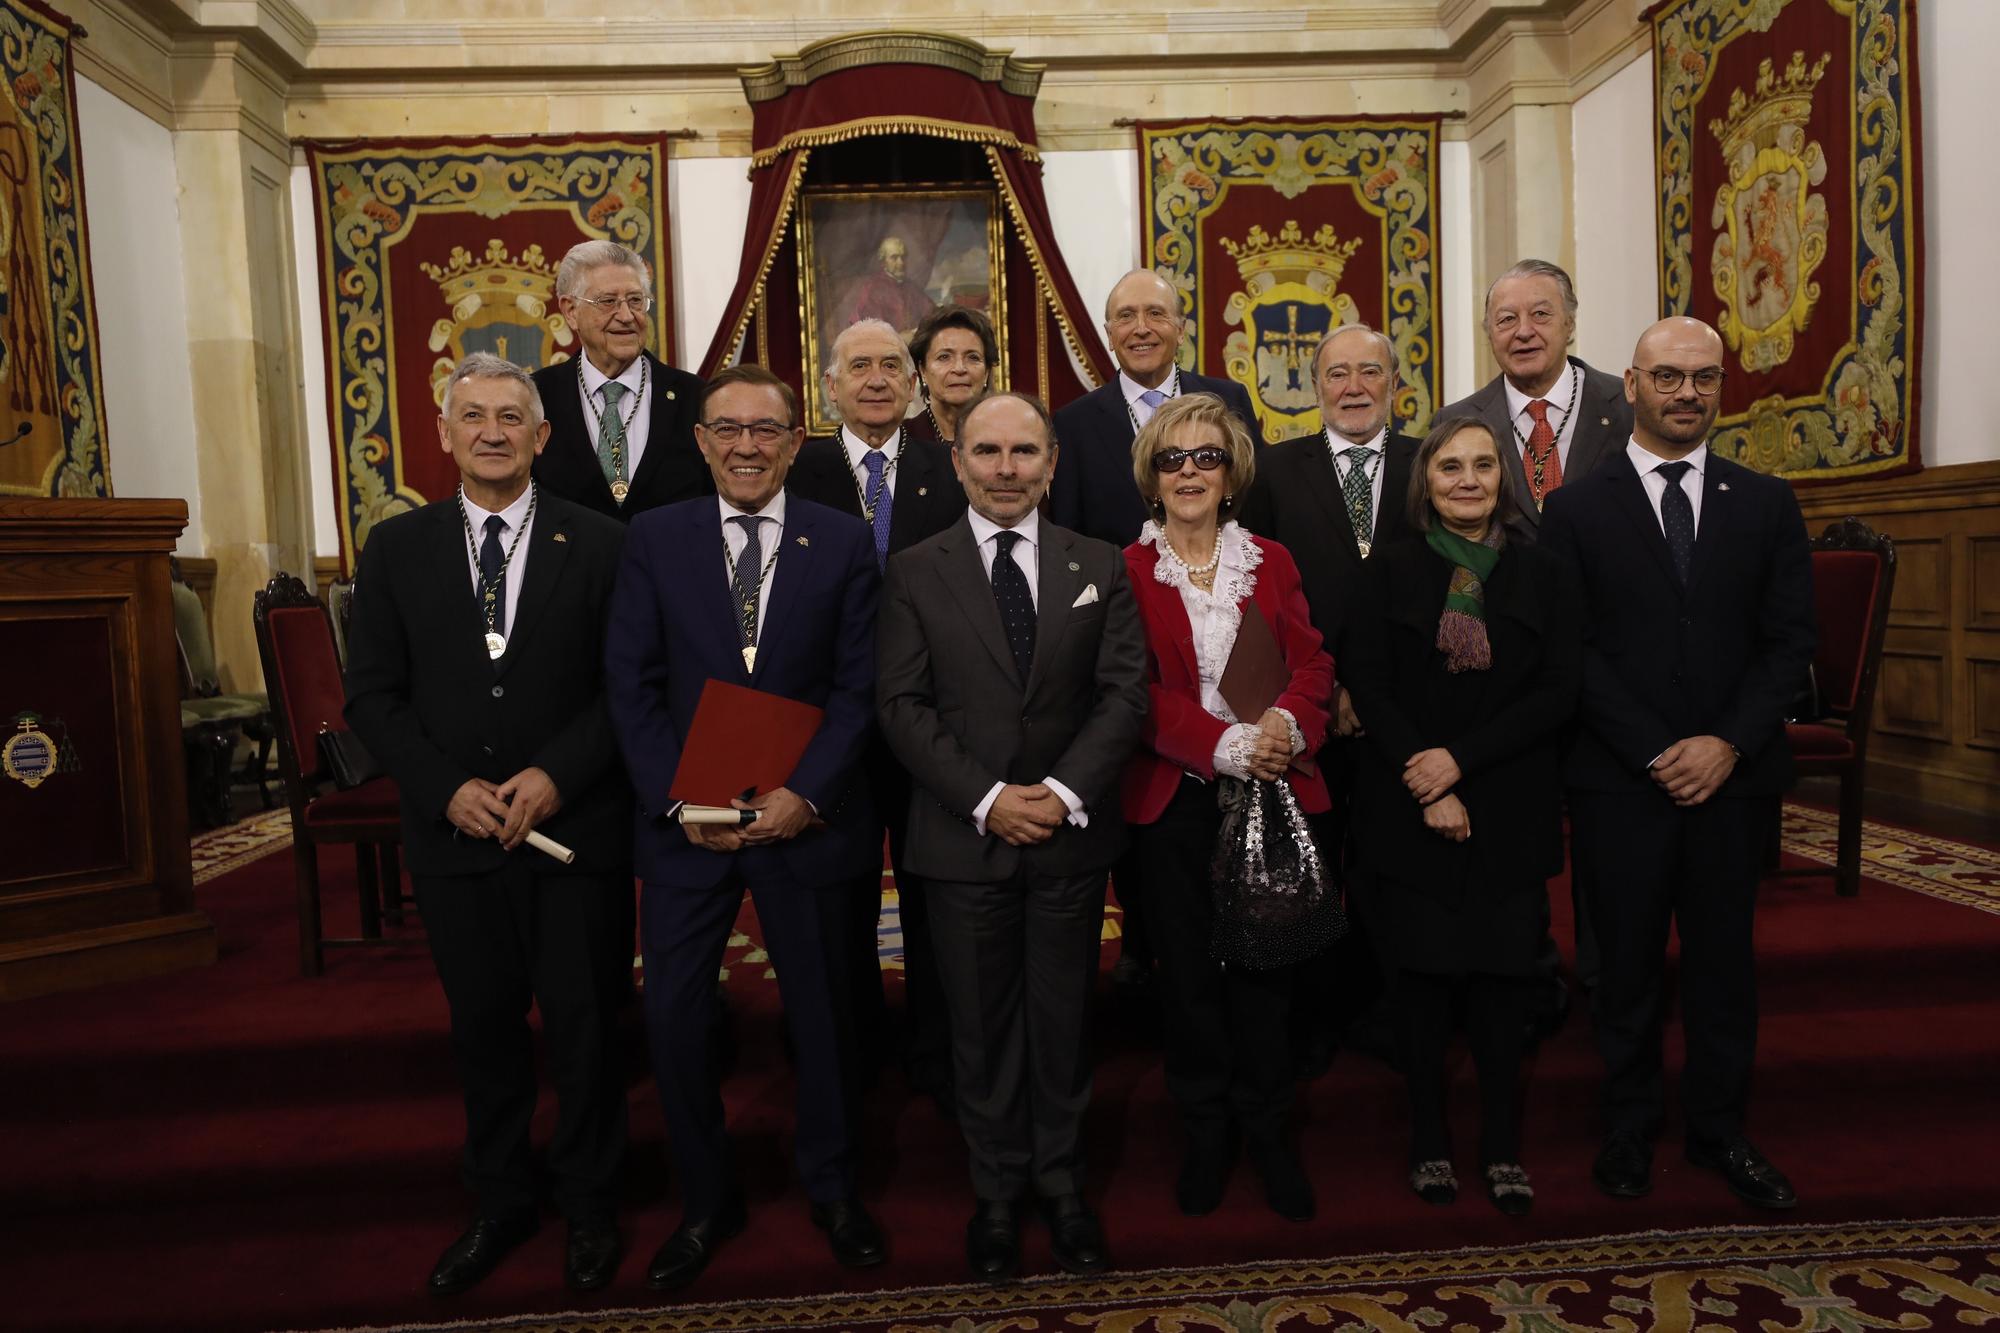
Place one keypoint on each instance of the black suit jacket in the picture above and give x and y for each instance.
(672, 467)
(1093, 492)
(928, 498)
(1296, 501)
(1603, 427)
(435, 711)
(1721, 657)
(960, 718)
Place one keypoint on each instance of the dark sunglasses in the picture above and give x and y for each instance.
(1208, 458)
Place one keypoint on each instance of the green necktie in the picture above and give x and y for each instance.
(611, 434)
(1356, 489)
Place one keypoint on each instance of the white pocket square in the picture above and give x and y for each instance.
(1085, 598)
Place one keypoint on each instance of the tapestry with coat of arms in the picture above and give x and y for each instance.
(432, 249)
(51, 383)
(1790, 218)
(1274, 231)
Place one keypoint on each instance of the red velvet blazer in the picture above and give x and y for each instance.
(1180, 734)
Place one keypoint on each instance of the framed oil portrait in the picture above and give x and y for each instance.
(893, 254)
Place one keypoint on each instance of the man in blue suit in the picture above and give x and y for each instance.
(767, 590)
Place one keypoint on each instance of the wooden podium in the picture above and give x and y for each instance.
(96, 883)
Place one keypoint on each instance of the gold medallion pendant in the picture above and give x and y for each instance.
(1366, 547)
(750, 659)
(619, 490)
(495, 645)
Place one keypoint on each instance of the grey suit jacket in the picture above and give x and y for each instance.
(959, 717)
(1603, 425)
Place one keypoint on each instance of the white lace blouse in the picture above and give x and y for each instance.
(1215, 616)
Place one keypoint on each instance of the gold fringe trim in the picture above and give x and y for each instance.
(871, 125)
(777, 237)
(1048, 288)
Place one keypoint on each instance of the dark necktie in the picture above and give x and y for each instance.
(1359, 492)
(492, 578)
(747, 578)
(1017, 603)
(1677, 517)
(879, 503)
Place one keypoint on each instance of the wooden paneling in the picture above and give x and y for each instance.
(1937, 711)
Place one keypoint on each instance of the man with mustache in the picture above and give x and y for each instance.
(1698, 626)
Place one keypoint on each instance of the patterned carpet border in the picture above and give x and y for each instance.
(1956, 872)
(219, 851)
(1795, 1269)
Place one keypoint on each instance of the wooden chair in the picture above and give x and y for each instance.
(302, 672)
(1854, 575)
(212, 720)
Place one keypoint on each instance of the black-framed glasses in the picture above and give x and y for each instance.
(633, 304)
(1707, 380)
(1208, 458)
(765, 431)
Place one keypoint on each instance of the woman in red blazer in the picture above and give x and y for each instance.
(1228, 1061)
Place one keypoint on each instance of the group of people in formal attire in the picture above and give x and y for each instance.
(1017, 627)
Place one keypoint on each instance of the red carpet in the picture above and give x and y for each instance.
(239, 1148)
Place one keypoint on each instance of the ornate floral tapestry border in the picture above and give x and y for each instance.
(430, 249)
(1790, 217)
(1275, 230)
(52, 430)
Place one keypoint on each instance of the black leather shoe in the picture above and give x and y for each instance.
(993, 1242)
(1205, 1173)
(1751, 1177)
(693, 1244)
(1075, 1236)
(1286, 1188)
(857, 1242)
(478, 1252)
(591, 1255)
(1624, 1166)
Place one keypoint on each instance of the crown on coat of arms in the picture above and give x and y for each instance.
(496, 278)
(1774, 102)
(1290, 257)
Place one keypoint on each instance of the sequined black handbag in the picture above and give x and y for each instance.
(1275, 901)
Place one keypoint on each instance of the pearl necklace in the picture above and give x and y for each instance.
(1195, 573)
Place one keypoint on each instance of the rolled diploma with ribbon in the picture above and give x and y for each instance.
(715, 814)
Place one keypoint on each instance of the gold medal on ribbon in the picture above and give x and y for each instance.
(495, 645)
(750, 658)
(1365, 546)
(619, 490)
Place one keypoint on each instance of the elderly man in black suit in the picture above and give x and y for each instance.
(902, 487)
(1331, 499)
(1011, 681)
(1698, 626)
(1093, 492)
(476, 678)
(621, 421)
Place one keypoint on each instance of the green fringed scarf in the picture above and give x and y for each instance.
(1462, 627)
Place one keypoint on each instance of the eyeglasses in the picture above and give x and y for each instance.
(1208, 458)
(766, 431)
(1707, 381)
(633, 304)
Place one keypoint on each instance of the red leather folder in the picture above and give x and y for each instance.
(742, 742)
(1256, 676)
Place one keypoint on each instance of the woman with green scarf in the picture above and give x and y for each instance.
(1464, 659)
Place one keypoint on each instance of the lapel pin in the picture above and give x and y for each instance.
(923, 490)
(670, 395)
(804, 540)
(1074, 567)
(1602, 421)
(559, 537)
(1722, 486)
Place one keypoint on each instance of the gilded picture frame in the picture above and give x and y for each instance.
(894, 254)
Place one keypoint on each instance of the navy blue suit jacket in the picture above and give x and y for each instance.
(673, 628)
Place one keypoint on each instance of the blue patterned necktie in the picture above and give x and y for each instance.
(880, 502)
(1017, 603)
(1151, 400)
(1677, 518)
(492, 571)
(747, 578)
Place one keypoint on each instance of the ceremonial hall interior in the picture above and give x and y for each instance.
(245, 245)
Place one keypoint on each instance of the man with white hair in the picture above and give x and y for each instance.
(621, 421)
(475, 677)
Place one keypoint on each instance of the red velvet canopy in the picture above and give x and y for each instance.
(949, 114)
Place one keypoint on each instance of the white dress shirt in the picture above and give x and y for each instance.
(1026, 558)
(1646, 463)
(1568, 390)
(857, 453)
(1131, 388)
(640, 416)
(1377, 465)
(770, 531)
(515, 519)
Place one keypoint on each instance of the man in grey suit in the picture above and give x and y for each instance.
(1554, 417)
(1011, 683)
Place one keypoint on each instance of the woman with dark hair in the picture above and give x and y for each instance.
(1464, 659)
(955, 353)
(1197, 577)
